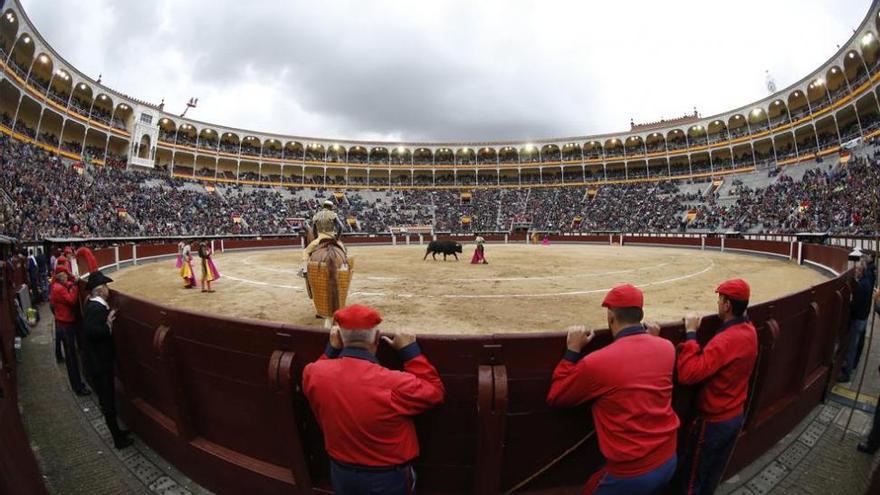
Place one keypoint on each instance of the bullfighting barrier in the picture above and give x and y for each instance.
(220, 398)
(19, 472)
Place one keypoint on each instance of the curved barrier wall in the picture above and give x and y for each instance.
(19, 472)
(220, 397)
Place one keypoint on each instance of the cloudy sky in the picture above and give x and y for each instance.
(445, 70)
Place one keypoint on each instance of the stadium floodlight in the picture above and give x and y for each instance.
(866, 39)
(43, 59)
(26, 40)
(852, 55)
(834, 70)
(10, 17)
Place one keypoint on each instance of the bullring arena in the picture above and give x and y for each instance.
(781, 191)
(524, 288)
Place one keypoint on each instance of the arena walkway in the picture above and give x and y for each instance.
(816, 457)
(69, 436)
(76, 454)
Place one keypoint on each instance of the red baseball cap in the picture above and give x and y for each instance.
(624, 296)
(736, 289)
(357, 317)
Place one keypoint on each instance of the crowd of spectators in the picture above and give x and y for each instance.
(42, 195)
(841, 199)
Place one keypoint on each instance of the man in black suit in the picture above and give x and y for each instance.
(99, 355)
(43, 268)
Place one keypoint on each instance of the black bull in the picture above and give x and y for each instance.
(445, 247)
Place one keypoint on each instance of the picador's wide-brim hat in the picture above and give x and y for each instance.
(97, 279)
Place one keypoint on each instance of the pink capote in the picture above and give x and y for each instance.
(478, 256)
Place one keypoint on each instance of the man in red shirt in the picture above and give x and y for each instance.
(365, 410)
(630, 385)
(64, 298)
(724, 367)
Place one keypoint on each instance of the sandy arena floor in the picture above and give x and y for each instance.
(524, 288)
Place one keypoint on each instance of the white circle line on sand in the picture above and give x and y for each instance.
(556, 277)
(259, 266)
(491, 296)
(247, 261)
(573, 293)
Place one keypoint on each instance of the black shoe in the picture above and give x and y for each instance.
(83, 392)
(864, 448)
(123, 443)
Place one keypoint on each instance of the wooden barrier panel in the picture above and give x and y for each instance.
(601, 239)
(713, 242)
(19, 472)
(126, 251)
(493, 238)
(150, 250)
(221, 399)
(829, 256)
(776, 247)
(104, 257)
(664, 241)
(379, 239)
(256, 244)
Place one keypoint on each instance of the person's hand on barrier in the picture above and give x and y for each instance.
(399, 340)
(578, 338)
(652, 327)
(111, 317)
(335, 338)
(692, 322)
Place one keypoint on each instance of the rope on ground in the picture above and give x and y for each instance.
(551, 463)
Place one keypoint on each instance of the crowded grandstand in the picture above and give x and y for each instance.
(797, 160)
(45, 195)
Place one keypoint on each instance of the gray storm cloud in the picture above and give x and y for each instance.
(445, 70)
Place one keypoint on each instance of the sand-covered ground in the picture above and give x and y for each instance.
(523, 288)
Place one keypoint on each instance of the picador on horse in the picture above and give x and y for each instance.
(326, 225)
(326, 265)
